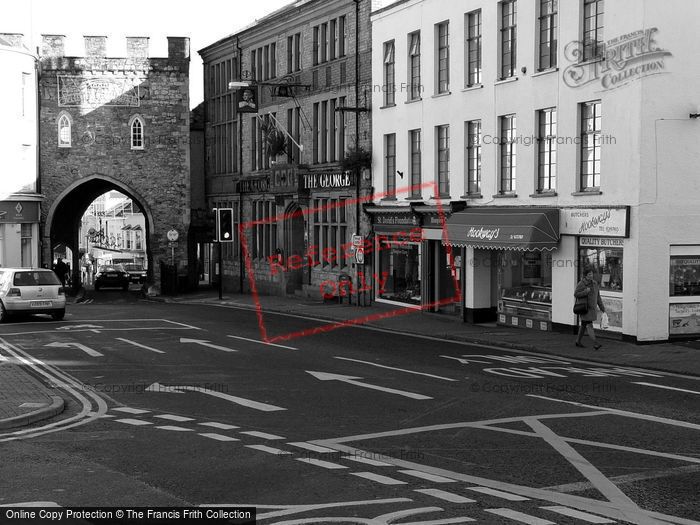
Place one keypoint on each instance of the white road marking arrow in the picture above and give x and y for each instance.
(264, 407)
(89, 351)
(325, 376)
(207, 343)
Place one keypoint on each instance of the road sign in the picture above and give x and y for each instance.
(356, 240)
(173, 235)
(359, 255)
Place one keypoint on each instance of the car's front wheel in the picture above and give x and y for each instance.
(58, 316)
(97, 287)
(3, 313)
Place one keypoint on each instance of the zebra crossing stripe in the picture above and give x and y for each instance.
(321, 463)
(269, 450)
(175, 429)
(262, 435)
(584, 516)
(221, 426)
(498, 493)
(520, 516)
(367, 461)
(179, 419)
(313, 448)
(130, 410)
(446, 496)
(218, 437)
(384, 480)
(426, 476)
(135, 422)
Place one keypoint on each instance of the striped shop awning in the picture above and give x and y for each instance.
(499, 228)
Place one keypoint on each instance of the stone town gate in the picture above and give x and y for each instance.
(115, 124)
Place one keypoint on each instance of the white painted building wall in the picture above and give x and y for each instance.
(652, 165)
(18, 152)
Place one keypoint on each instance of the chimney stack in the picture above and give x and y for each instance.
(52, 46)
(178, 48)
(95, 46)
(137, 47)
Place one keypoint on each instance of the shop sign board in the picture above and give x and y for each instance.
(599, 222)
(601, 242)
(395, 219)
(19, 211)
(254, 185)
(684, 318)
(323, 181)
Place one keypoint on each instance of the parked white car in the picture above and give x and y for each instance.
(31, 291)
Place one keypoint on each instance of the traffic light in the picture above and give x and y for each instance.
(224, 225)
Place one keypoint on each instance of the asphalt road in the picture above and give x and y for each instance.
(174, 404)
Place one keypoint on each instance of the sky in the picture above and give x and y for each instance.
(204, 21)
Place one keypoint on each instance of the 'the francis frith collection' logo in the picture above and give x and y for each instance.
(620, 61)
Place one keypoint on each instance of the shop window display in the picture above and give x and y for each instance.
(685, 276)
(607, 264)
(525, 284)
(400, 262)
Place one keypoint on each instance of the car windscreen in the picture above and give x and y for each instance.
(133, 267)
(35, 279)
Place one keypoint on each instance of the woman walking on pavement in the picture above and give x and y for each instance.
(588, 290)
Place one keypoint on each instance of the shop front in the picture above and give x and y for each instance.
(684, 291)
(601, 235)
(398, 251)
(509, 267)
(442, 263)
(19, 233)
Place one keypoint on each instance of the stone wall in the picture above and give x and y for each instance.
(101, 96)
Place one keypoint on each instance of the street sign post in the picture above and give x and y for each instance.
(172, 236)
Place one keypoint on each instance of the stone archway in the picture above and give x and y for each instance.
(63, 219)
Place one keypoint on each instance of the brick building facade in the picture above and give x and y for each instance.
(115, 124)
(282, 158)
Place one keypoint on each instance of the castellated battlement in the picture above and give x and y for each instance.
(52, 54)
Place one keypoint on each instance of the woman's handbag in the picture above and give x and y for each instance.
(581, 306)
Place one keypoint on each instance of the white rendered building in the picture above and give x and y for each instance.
(19, 197)
(548, 135)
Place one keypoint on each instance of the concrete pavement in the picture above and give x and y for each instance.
(23, 399)
(667, 357)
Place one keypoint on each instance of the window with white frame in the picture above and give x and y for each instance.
(415, 88)
(509, 13)
(547, 151)
(591, 130)
(390, 164)
(389, 74)
(416, 163)
(473, 133)
(64, 130)
(593, 45)
(548, 34)
(443, 160)
(473, 48)
(508, 153)
(27, 259)
(136, 130)
(443, 57)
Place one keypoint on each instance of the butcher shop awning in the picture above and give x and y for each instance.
(527, 229)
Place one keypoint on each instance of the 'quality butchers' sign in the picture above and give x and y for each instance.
(598, 222)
